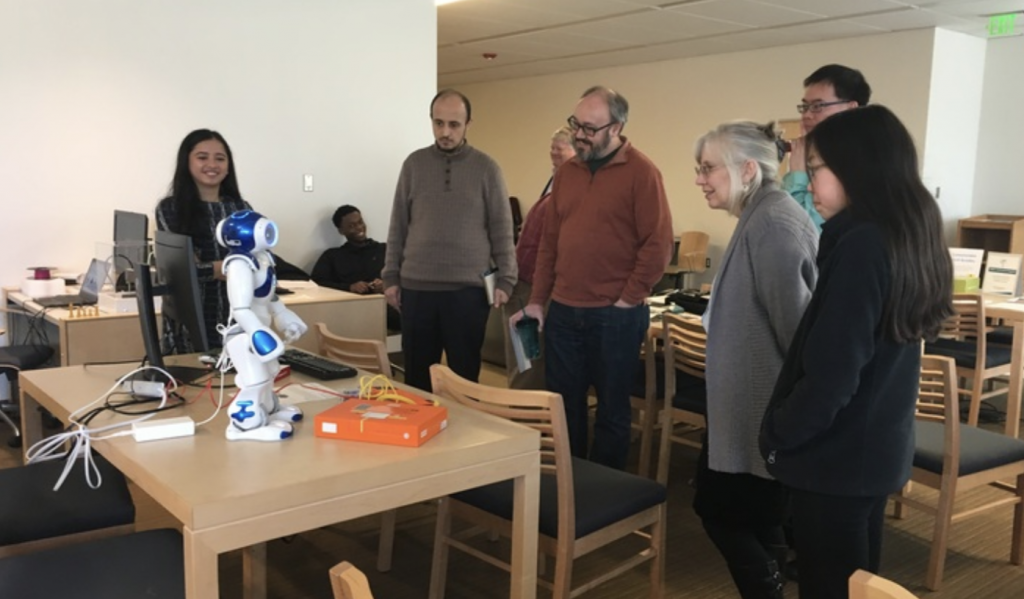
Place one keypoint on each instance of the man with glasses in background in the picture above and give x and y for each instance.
(606, 242)
(832, 88)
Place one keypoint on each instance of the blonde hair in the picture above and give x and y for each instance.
(740, 142)
(563, 134)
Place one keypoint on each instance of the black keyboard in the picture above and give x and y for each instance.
(316, 366)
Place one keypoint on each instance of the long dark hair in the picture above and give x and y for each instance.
(183, 190)
(872, 154)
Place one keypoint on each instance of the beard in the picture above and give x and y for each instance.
(590, 150)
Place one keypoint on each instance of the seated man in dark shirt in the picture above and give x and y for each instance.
(356, 265)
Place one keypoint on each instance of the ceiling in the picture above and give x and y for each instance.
(538, 37)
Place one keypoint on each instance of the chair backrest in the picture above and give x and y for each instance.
(368, 354)
(349, 582)
(865, 585)
(938, 400)
(967, 324)
(540, 410)
(685, 345)
(693, 251)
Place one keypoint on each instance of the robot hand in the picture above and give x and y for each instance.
(290, 325)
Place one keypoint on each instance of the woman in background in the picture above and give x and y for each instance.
(203, 192)
(838, 431)
(759, 295)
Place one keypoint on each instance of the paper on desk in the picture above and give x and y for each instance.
(296, 284)
(296, 394)
(522, 362)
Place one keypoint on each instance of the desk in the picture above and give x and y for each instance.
(1011, 313)
(118, 338)
(231, 495)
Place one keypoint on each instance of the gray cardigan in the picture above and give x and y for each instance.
(763, 286)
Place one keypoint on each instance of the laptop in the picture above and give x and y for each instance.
(89, 294)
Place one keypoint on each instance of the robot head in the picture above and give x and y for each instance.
(247, 231)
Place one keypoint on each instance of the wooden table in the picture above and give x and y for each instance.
(232, 495)
(1012, 314)
(118, 337)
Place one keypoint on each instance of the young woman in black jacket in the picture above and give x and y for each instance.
(838, 431)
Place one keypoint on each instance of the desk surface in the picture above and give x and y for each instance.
(231, 495)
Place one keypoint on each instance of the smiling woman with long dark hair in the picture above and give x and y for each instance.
(838, 431)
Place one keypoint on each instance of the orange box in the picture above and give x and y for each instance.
(381, 422)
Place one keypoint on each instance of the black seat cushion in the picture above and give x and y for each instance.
(141, 565)
(683, 381)
(31, 510)
(979, 449)
(691, 394)
(1000, 336)
(25, 357)
(964, 353)
(603, 496)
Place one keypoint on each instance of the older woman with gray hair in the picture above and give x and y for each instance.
(762, 287)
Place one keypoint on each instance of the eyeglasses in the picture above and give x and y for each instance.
(814, 168)
(588, 130)
(704, 170)
(816, 107)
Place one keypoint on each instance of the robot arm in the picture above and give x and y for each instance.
(287, 322)
(241, 282)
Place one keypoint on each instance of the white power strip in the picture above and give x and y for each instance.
(143, 388)
(165, 428)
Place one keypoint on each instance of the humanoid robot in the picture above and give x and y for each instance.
(250, 342)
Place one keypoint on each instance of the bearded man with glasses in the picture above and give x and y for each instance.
(831, 89)
(606, 242)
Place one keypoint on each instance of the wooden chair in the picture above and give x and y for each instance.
(644, 401)
(685, 345)
(583, 505)
(963, 338)
(34, 517)
(951, 457)
(865, 585)
(366, 354)
(349, 582)
(691, 257)
(372, 356)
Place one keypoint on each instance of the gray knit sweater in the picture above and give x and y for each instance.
(451, 218)
(763, 286)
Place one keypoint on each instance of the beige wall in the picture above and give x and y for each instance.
(96, 97)
(674, 102)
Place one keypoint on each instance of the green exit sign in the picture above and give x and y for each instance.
(999, 25)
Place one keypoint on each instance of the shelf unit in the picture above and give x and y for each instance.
(992, 233)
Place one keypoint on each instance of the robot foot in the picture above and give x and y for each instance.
(286, 414)
(271, 431)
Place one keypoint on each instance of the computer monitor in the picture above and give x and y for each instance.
(182, 303)
(130, 244)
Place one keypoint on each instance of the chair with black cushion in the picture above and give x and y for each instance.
(583, 506)
(952, 458)
(34, 517)
(146, 564)
(685, 408)
(644, 399)
(963, 338)
(348, 582)
(14, 359)
(372, 356)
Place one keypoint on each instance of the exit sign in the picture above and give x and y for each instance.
(999, 25)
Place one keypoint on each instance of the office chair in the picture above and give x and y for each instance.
(14, 359)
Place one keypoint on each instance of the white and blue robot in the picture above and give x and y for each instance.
(252, 345)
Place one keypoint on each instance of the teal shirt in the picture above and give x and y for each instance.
(795, 184)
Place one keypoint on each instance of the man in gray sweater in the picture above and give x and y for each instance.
(450, 222)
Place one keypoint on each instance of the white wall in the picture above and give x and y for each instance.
(997, 181)
(674, 102)
(954, 118)
(96, 96)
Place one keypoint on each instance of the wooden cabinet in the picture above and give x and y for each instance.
(992, 233)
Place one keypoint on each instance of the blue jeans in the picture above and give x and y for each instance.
(596, 347)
